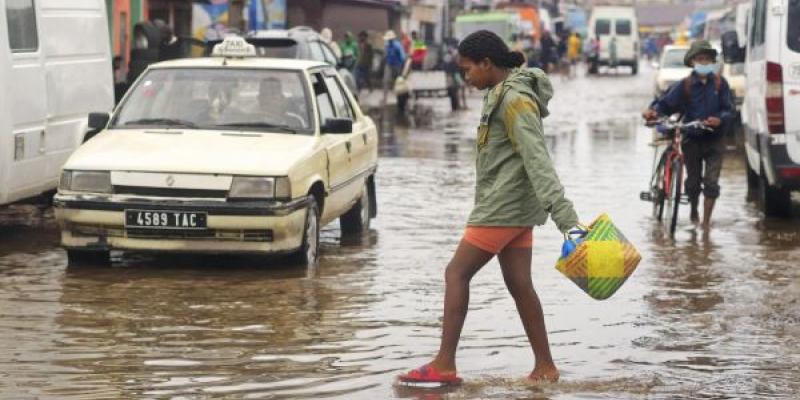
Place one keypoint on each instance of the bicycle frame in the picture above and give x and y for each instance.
(672, 153)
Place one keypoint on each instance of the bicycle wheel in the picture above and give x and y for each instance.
(657, 191)
(675, 195)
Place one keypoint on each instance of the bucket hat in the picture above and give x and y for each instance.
(698, 47)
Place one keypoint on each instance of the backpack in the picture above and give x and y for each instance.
(687, 86)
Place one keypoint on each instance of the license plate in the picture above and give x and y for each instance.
(160, 219)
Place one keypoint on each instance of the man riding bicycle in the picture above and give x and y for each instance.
(702, 96)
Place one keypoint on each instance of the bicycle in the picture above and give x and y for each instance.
(667, 178)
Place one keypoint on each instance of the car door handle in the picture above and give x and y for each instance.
(348, 145)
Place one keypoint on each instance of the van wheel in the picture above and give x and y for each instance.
(752, 183)
(356, 220)
(308, 253)
(774, 202)
(88, 258)
(635, 68)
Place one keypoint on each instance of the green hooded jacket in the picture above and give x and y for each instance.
(516, 183)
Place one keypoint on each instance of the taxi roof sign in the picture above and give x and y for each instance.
(234, 46)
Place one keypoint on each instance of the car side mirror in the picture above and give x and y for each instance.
(732, 53)
(338, 125)
(98, 120)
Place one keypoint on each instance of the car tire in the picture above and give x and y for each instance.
(88, 258)
(356, 220)
(635, 68)
(308, 253)
(774, 202)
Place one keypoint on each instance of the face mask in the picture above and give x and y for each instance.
(705, 69)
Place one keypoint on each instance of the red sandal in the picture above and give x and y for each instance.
(427, 374)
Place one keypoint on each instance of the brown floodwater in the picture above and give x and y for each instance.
(712, 316)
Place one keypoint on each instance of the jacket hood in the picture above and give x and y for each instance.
(534, 83)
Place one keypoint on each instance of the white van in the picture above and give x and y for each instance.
(55, 68)
(620, 23)
(772, 99)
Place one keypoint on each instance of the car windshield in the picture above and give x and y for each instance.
(218, 98)
(793, 31)
(673, 58)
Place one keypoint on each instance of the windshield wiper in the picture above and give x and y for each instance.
(162, 121)
(258, 125)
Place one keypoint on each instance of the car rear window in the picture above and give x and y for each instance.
(276, 48)
(623, 27)
(793, 31)
(602, 27)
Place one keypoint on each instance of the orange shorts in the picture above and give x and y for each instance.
(496, 238)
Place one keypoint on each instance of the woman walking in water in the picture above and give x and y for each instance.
(516, 189)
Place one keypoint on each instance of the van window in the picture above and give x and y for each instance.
(793, 31)
(21, 18)
(602, 27)
(623, 27)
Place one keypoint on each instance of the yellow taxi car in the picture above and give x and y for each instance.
(227, 154)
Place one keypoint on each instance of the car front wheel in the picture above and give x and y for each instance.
(308, 253)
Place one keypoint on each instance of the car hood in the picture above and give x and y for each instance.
(195, 151)
(672, 74)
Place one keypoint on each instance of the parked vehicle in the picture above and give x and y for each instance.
(504, 23)
(228, 154)
(671, 69)
(620, 23)
(55, 67)
(301, 43)
(772, 133)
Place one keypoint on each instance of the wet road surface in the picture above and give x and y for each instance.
(714, 316)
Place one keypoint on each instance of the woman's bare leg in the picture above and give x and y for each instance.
(516, 266)
(467, 261)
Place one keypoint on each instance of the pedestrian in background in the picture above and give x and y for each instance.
(612, 53)
(702, 96)
(548, 52)
(573, 52)
(516, 188)
(327, 36)
(419, 50)
(395, 56)
(349, 49)
(394, 60)
(364, 63)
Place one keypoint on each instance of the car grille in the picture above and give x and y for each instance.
(234, 235)
(170, 192)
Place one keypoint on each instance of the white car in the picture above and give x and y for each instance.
(671, 69)
(227, 154)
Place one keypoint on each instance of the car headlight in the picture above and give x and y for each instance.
(86, 181)
(245, 187)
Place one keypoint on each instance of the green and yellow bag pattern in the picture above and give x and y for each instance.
(600, 261)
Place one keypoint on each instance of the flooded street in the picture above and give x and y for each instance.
(714, 316)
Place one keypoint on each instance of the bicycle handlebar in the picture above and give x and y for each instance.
(669, 124)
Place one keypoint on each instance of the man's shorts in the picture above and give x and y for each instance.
(494, 239)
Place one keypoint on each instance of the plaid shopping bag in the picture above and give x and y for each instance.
(600, 261)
